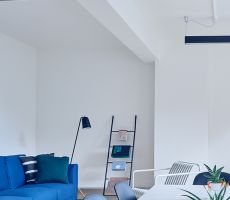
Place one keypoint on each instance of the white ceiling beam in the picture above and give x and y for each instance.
(108, 16)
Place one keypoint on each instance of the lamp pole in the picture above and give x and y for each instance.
(85, 124)
(75, 140)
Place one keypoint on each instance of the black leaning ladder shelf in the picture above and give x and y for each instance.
(109, 163)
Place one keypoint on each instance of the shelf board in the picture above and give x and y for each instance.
(127, 131)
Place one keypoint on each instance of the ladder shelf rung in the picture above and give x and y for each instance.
(127, 131)
(119, 160)
(117, 177)
(120, 145)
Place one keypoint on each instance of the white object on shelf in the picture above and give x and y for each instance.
(122, 135)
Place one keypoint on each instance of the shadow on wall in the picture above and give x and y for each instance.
(22, 140)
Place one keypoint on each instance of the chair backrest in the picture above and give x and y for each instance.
(124, 191)
(201, 178)
(180, 167)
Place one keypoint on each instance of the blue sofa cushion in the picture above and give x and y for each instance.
(64, 191)
(15, 171)
(15, 198)
(4, 183)
(34, 193)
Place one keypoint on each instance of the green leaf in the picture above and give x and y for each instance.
(214, 169)
(220, 193)
(224, 189)
(220, 169)
(208, 168)
(211, 198)
(190, 197)
(207, 176)
(196, 197)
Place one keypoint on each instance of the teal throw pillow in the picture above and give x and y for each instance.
(52, 169)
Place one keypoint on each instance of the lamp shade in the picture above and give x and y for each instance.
(85, 123)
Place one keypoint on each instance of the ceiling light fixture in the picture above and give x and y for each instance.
(204, 39)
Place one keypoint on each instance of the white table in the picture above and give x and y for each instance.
(171, 192)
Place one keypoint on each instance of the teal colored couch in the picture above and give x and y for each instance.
(13, 187)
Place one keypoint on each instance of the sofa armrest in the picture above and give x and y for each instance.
(73, 174)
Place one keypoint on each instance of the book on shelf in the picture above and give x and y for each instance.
(121, 151)
(112, 182)
(119, 166)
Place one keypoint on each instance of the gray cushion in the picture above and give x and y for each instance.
(95, 197)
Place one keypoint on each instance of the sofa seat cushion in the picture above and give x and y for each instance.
(15, 198)
(34, 193)
(64, 191)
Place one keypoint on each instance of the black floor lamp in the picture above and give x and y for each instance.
(85, 125)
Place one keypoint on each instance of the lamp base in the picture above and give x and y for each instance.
(79, 189)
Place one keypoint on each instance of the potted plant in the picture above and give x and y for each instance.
(215, 183)
(215, 196)
(216, 186)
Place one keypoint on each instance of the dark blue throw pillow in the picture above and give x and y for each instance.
(52, 169)
(29, 164)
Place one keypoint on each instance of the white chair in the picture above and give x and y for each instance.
(177, 175)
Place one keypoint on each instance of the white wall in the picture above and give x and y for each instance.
(219, 106)
(181, 117)
(96, 83)
(17, 97)
(192, 99)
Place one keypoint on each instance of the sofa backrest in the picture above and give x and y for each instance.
(4, 183)
(11, 172)
(15, 172)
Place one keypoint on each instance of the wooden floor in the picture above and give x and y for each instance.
(93, 191)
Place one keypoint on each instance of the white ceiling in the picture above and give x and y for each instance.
(61, 23)
(222, 8)
(164, 16)
(175, 8)
(55, 23)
